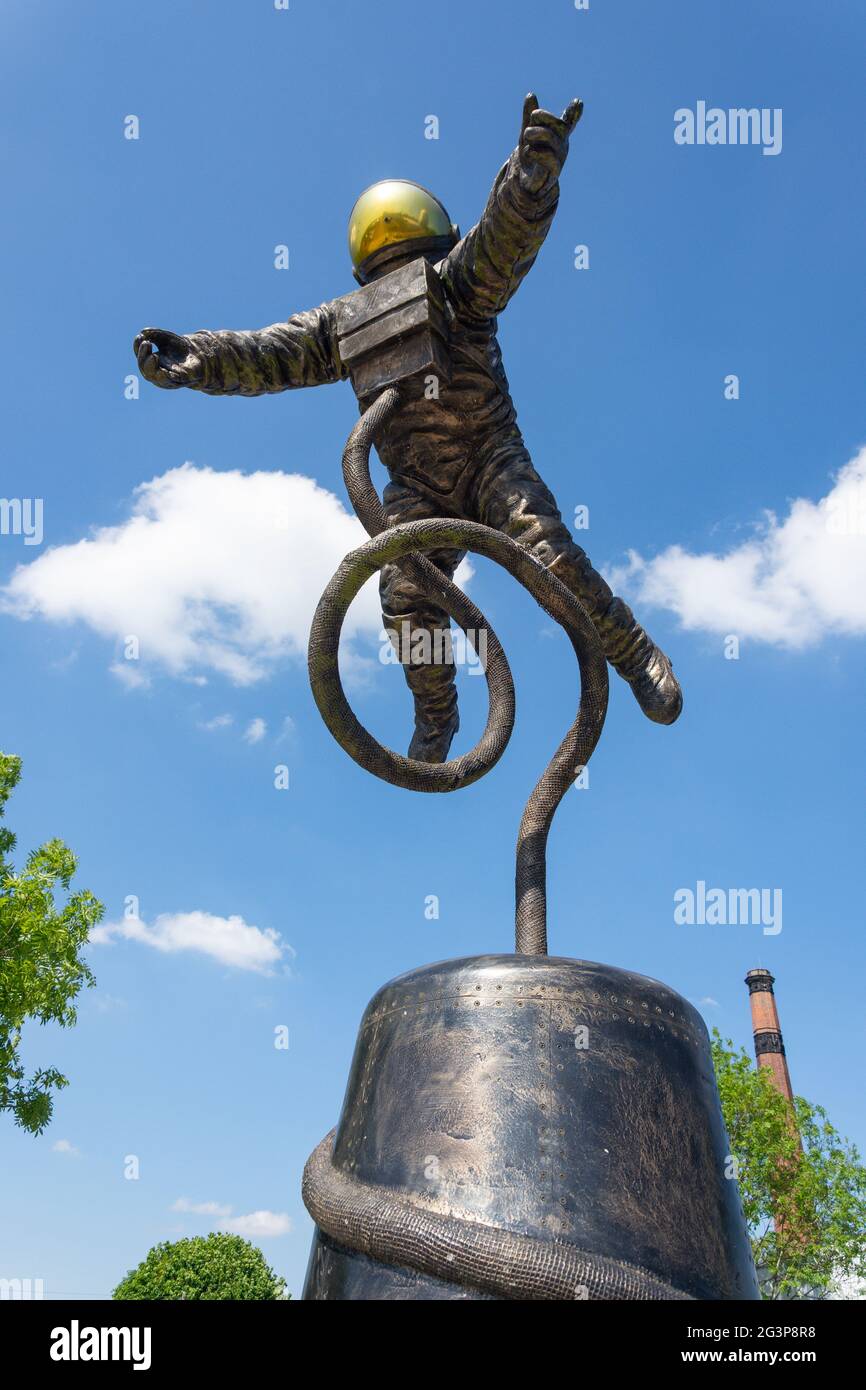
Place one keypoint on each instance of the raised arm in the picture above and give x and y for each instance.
(300, 352)
(487, 265)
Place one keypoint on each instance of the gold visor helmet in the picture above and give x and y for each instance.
(392, 212)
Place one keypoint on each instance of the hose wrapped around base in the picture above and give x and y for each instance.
(394, 1230)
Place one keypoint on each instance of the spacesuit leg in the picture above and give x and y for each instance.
(510, 496)
(420, 633)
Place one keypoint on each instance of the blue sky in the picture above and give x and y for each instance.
(258, 128)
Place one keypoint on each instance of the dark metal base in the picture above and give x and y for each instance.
(335, 1273)
(561, 1099)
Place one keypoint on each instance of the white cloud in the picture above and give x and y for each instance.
(798, 580)
(127, 673)
(229, 940)
(63, 1146)
(219, 721)
(201, 1208)
(105, 1003)
(255, 1225)
(212, 572)
(255, 731)
(259, 1225)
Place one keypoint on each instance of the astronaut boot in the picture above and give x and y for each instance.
(431, 741)
(634, 656)
(629, 649)
(436, 715)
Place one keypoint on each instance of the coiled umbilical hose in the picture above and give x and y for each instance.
(406, 543)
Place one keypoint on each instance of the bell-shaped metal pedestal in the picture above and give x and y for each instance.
(570, 1103)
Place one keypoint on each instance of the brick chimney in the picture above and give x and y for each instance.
(769, 1048)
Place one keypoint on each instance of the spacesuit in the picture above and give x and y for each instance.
(457, 452)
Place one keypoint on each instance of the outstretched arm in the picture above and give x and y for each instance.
(300, 352)
(485, 268)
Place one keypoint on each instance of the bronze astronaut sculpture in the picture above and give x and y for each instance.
(517, 1126)
(456, 451)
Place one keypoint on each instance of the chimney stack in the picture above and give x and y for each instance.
(769, 1048)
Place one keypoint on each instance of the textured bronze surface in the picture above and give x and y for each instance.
(476, 1096)
(393, 329)
(457, 453)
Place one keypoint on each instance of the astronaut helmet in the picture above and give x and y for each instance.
(388, 215)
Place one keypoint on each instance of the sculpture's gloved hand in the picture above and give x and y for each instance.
(543, 147)
(167, 359)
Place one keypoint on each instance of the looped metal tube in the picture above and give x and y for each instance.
(406, 543)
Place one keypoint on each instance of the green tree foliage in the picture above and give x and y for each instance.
(41, 970)
(217, 1266)
(804, 1198)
